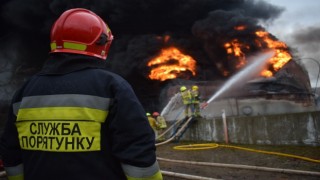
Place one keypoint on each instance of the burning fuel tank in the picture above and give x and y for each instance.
(288, 91)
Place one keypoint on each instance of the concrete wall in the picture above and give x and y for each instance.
(256, 107)
(240, 107)
(282, 129)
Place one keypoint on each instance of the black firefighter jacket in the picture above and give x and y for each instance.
(77, 121)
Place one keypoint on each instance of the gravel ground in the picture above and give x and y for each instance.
(240, 157)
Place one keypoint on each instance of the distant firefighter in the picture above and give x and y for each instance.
(195, 101)
(160, 119)
(161, 122)
(186, 99)
(153, 123)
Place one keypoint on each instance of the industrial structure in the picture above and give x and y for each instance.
(288, 91)
(278, 110)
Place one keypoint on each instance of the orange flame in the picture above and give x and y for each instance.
(281, 57)
(170, 63)
(234, 48)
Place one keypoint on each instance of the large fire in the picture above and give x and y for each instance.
(234, 47)
(170, 63)
(281, 57)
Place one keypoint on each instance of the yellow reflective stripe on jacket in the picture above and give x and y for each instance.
(156, 176)
(15, 172)
(62, 113)
(142, 173)
(17, 177)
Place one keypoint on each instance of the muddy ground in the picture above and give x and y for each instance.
(241, 157)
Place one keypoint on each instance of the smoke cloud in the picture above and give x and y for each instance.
(309, 39)
(197, 27)
(309, 44)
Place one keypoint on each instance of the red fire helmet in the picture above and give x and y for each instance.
(81, 31)
(155, 114)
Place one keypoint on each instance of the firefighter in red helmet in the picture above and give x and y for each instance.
(153, 123)
(160, 119)
(77, 115)
(162, 124)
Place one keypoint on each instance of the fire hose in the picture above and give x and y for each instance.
(175, 174)
(183, 127)
(173, 125)
(239, 166)
(214, 145)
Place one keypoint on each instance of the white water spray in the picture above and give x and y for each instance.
(258, 62)
(171, 105)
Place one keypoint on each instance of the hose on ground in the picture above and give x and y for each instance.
(214, 145)
(239, 166)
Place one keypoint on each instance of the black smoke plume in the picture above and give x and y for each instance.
(197, 27)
